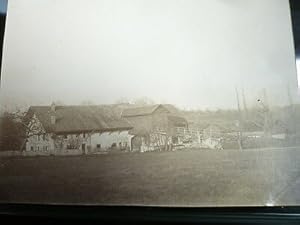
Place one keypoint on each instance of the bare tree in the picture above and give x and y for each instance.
(87, 102)
(59, 102)
(13, 131)
(143, 101)
(122, 100)
(29, 126)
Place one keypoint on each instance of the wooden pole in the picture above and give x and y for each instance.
(245, 104)
(240, 135)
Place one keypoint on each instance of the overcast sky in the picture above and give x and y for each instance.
(188, 53)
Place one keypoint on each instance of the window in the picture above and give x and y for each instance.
(71, 146)
(83, 135)
(38, 137)
(65, 136)
(98, 145)
(44, 137)
(31, 148)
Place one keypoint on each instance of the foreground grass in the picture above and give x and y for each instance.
(186, 177)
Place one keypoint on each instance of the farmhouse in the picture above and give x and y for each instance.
(154, 126)
(84, 128)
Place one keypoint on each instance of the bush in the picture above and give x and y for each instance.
(12, 133)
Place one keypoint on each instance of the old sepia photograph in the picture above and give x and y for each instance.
(149, 103)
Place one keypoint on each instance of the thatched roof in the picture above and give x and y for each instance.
(147, 110)
(177, 120)
(139, 111)
(79, 118)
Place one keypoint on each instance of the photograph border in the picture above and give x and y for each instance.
(83, 214)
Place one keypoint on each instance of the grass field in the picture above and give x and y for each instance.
(186, 177)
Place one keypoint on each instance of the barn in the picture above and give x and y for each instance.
(85, 128)
(154, 126)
